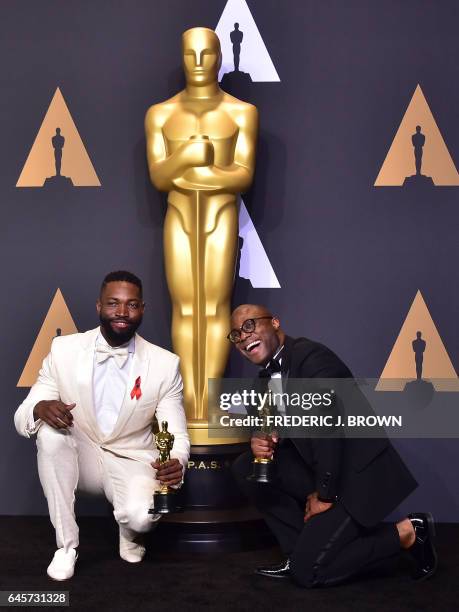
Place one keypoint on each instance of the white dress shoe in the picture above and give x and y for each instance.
(132, 551)
(63, 564)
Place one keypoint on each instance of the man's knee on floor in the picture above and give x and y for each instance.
(51, 441)
(137, 518)
(305, 576)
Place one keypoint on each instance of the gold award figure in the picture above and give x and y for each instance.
(201, 150)
(163, 500)
(164, 443)
(262, 469)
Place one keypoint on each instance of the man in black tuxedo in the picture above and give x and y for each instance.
(330, 495)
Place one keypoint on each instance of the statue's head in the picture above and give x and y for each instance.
(202, 56)
(418, 128)
(58, 131)
(164, 425)
(418, 335)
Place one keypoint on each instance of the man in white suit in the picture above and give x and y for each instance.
(92, 409)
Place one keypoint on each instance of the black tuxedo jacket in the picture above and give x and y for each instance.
(367, 475)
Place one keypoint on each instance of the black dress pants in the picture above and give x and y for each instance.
(330, 547)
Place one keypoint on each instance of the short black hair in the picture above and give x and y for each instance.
(122, 276)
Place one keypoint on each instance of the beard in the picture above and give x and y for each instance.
(117, 337)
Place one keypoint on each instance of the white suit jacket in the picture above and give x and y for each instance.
(66, 375)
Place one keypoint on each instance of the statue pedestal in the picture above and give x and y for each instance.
(418, 180)
(58, 182)
(216, 516)
(238, 84)
(419, 392)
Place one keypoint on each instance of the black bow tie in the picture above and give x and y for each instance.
(272, 367)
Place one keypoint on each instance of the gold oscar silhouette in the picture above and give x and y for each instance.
(428, 146)
(201, 150)
(53, 160)
(58, 322)
(420, 338)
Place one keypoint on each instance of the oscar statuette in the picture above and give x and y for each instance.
(201, 147)
(201, 150)
(262, 468)
(164, 500)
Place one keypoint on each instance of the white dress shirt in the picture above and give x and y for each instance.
(109, 386)
(109, 389)
(275, 384)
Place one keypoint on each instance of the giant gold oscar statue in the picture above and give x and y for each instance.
(201, 150)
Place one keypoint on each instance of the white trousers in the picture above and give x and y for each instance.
(69, 461)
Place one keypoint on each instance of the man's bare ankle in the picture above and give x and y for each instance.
(406, 533)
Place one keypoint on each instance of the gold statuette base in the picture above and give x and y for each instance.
(164, 501)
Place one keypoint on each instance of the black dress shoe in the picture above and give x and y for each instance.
(281, 570)
(423, 550)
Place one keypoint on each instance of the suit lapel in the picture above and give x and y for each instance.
(140, 366)
(84, 379)
(286, 360)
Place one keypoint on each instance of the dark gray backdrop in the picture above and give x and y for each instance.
(349, 257)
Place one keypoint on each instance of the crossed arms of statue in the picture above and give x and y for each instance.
(192, 165)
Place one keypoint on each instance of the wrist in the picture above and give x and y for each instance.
(36, 416)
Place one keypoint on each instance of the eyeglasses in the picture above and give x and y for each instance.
(247, 327)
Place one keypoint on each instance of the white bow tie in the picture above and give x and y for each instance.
(104, 352)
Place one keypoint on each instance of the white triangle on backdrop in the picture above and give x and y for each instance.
(254, 264)
(254, 57)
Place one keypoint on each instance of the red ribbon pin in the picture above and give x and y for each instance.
(136, 390)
